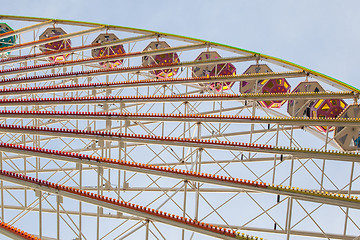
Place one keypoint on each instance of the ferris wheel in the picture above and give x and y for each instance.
(111, 132)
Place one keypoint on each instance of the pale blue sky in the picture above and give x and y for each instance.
(320, 34)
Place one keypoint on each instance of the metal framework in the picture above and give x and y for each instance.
(94, 150)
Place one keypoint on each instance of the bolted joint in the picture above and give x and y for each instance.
(59, 199)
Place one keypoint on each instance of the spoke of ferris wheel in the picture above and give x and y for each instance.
(51, 39)
(91, 60)
(175, 98)
(252, 159)
(307, 195)
(37, 56)
(167, 189)
(125, 207)
(183, 142)
(195, 118)
(153, 67)
(26, 29)
(146, 83)
(14, 233)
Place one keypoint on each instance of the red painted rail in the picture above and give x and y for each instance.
(18, 232)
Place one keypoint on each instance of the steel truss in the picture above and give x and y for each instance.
(94, 152)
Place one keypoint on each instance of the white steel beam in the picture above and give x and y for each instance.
(187, 142)
(173, 98)
(194, 118)
(167, 189)
(26, 29)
